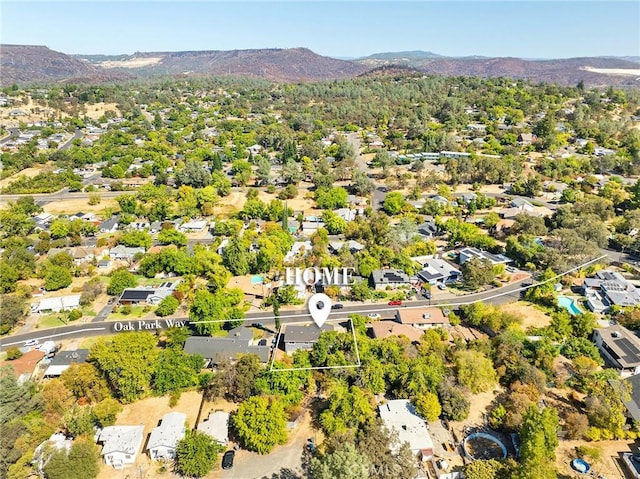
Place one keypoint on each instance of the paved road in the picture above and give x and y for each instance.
(77, 135)
(13, 133)
(101, 327)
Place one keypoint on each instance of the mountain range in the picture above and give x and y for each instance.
(38, 64)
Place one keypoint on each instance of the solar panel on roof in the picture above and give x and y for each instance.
(630, 350)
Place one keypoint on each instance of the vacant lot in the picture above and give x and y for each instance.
(531, 316)
(80, 204)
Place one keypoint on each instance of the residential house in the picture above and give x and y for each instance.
(469, 253)
(238, 341)
(217, 427)
(148, 295)
(105, 264)
(631, 401)
(384, 329)
(44, 451)
(454, 154)
(120, 444)
(428, 230)
(109, 225)
(389, 279)
(57, 304)
(63, 360)
(310, 227)
(26, 366)
(194, 226)
(165, 437)
(527, 138)
(302, 337)
(124, 253)
(253, 287)
(436, 270)
(400, 417)
(620, 348)
(348, 214)
(422, 318)
(81, 255)
(609, 288)
(299, 249)
(352, 245)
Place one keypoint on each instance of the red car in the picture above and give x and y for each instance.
(395, 302)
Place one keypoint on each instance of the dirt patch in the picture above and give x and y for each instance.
(80, 204)
(149, 412)
(131, 63)
(479, 405)
(28, 172)
(96, 110)
(608, 465)
(531, 316)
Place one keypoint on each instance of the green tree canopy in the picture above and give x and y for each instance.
(196, 454)
(261, 424)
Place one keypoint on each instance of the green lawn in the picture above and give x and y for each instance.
(52, 320)
(136, 312)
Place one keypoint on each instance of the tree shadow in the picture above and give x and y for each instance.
(284, 473)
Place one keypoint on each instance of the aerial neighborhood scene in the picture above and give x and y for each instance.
(229, 260)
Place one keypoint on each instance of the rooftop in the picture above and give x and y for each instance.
(621, 344)
(384, 329)
(400, 416)
(304, 334)
(125, 439)
(169, 432)
(421, 316)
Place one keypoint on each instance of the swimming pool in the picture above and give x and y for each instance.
(257, 279)
(569, 304)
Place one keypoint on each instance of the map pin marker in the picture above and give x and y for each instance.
(319, 308)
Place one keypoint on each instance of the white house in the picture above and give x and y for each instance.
(42, 454)
(120, 444)
(216, 426)
(193, 226)
(55, 305)
(400, 416)
(164, 438)
(125, 253)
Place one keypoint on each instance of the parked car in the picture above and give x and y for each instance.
(373, 316)
(442, 286)
(337, 306)
(427, 294)
(31, 342)
(395, 302)
(257, 325)
(510, 269)
(227, 459)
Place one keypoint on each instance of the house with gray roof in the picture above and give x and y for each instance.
(165, 438)
(217, 427)
(609, 288)
(238, 341)
(467, 254)
(436, 270)
(389, 279)
(124, 253)
(109, 225)
(120, 444)
(620, 348)
(303, 337)
(63, 360)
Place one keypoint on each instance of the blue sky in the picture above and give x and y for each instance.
(536, 29)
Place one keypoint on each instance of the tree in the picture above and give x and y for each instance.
(360, 183)
(194, 174)
(224, 304)
(105, 412)
(56, 278)
(349, 409)
(345, 463)
(120, 280)
(11, 312)
(127, 361)
(393, 203)
(477, 272)
(81, 462)
(331, 198)
(260, 423)
(175, 371)
(487, 469)
(84, 381)
(428, 406)
(172, 236)
(454, 402)
(334, 224)
(375, 443)
(196, 454)
(136, 238)
(235, 382)
(475, 371)
(167, 306)
(236, 257)
(538, 444)
(241, 171)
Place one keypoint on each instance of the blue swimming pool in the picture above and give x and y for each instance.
(569, 304)
(257, 279)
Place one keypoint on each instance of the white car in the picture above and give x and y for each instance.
(373, 316)
(31, 342)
